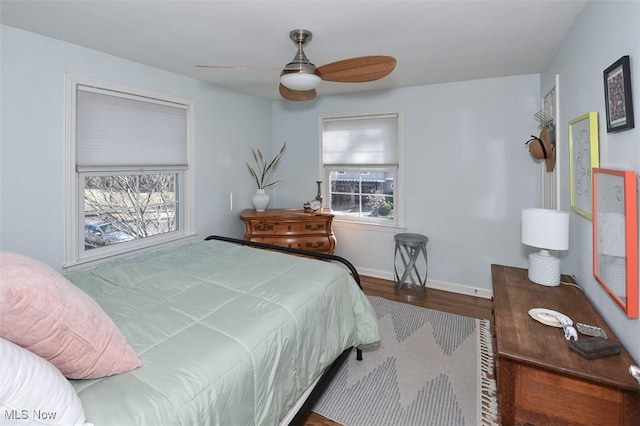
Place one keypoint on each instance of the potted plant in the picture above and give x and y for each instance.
(262, 175)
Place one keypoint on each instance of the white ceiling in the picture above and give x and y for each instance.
(433, 41)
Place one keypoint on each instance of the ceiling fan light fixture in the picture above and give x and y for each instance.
(300, 76)
(300, 81)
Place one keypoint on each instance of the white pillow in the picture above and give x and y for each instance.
(34, 392)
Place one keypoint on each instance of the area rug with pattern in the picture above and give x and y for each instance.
(430, 368)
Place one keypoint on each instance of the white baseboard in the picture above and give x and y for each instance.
(375, 273)
(437, 285)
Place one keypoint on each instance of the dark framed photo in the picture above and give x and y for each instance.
(617, 96)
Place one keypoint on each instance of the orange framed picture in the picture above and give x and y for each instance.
(615, 236)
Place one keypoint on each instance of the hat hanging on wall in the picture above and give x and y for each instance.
(542, 149)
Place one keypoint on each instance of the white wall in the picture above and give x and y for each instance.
(33, 146)
(467, 174)
(603, 33)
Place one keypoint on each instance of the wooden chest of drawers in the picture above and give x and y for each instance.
(293, 228)
(540, 381)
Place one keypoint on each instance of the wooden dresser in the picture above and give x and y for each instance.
(540, 381)
(293, 228)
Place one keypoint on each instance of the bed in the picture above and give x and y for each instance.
(226, 334)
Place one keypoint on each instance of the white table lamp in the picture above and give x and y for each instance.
(547, 230)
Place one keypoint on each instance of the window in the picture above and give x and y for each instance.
(361, 163)
(129, 170)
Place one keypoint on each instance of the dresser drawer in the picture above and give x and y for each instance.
(323, 244)
(287, 228)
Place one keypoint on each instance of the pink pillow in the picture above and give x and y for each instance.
(42, 311)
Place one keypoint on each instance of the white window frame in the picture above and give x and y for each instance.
(76, 257)
(364, 222)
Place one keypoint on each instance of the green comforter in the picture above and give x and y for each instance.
(227, 335)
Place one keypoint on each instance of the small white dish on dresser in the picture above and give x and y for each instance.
(549, 317)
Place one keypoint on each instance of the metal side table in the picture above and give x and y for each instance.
(410, 265)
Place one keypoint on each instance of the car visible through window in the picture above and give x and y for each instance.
(101, 233)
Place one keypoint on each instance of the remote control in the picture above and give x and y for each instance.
(591, 330)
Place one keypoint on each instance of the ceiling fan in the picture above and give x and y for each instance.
(299, 78)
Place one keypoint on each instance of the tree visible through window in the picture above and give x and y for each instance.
(131, 206)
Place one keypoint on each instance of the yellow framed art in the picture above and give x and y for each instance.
(583, 157)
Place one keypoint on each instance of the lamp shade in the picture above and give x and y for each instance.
(545, 228)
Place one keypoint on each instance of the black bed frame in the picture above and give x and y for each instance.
(332, 370)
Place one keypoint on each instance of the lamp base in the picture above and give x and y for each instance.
(544, 269)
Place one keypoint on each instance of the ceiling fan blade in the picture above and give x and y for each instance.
(358, 70)
(297, 95)
(239, 67)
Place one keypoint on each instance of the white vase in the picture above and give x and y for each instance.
(260, 200)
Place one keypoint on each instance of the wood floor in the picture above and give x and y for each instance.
(469, 306)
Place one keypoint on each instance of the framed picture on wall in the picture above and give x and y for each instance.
(617, 96)
(615, 236)
(583, 157)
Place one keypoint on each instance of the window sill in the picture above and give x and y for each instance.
(91, 261)
(367, 226)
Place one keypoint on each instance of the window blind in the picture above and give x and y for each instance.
(115, 129)
(370, 140)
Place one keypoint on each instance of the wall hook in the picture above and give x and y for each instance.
(544, 118)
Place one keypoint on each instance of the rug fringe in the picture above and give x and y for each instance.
(488, 383)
